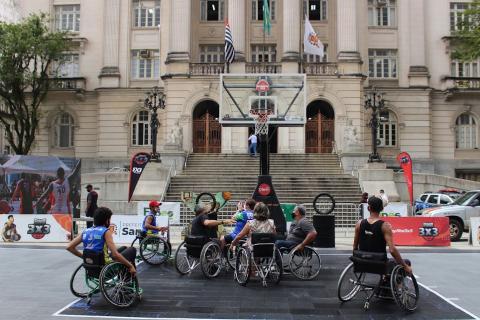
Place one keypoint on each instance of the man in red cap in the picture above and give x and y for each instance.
(149, 225)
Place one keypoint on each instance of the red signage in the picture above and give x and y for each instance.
(406, 164)
(264, 189)
(420, 231)
(262, 86)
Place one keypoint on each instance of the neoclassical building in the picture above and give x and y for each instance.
(400, 47)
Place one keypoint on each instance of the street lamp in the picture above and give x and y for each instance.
(374, 101)
(154, 100)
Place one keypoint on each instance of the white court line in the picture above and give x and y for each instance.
(56, 314)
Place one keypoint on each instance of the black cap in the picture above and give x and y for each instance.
(89, 186)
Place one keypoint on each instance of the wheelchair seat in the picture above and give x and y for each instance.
(369, 262)
(194, 245)
(93, 262)
(263, 245)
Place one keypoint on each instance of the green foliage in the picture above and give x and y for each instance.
(27, 51)
(466, 41)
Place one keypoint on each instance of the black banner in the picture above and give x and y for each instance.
(137, 165)
(266, 193)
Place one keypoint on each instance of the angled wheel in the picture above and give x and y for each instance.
(324, 203)
(243, 266)
(207, 199)
(230, 256)
(184, 264)
(349, 284)
(211, 259)
(154, 250)
(305, 264)
(81, 285)
(404, 289)
(276, 270)
(118, 286)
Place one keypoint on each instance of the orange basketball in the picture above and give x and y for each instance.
(4, 207)
(227, 195)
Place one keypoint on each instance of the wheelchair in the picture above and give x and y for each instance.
(113, 280)
(153, 249)
(370, 273)
(264, 259)
(305, 264)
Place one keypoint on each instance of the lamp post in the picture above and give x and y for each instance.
(374, 101)
(154, 100)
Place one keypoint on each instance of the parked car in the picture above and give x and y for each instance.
(429, 200)
(459, 213)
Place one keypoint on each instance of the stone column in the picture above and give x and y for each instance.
(291, 31)
(349, 59)
(180, 26)
(237, 20)
(110, 73)
(418, 73)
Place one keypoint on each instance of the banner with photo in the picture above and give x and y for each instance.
(35, 228)
(170, 209)
(126, 227)
(391, 210)
(475, 230)
(39, 185)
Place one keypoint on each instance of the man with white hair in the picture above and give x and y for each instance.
(301, 233)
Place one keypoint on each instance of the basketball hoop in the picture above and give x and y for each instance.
(261, 120)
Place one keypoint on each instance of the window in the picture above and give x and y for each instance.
(466, 132)
(145, 64)
(316, 9)
(381, 13)
(67, 18)
(312, 58)
(141, 129)
(212, 54)
(64, 130)
(257, 9)
(457, 15)
(382, 63)
(464, 69)
(433, 199)
(387, 130)
(444, 199)
(69, 66)
(423, 197)
(146, 14)
(267, 53)
(212, 10)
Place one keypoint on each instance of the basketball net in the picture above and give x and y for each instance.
(261, 121)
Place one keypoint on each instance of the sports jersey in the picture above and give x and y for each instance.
(94, 240)
(241, 218)
(371, 237)
(152, 223)
(61, 195)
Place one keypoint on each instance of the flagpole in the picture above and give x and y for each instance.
(300, 51)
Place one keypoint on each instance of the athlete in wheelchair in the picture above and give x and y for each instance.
(371, 272)
(114, 274)
(154, 248)
(259, 255)
(201, 246)
(301, 260)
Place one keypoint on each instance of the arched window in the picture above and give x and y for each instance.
(387, 133)
(64, 130)
(466, 132)
(141, 129)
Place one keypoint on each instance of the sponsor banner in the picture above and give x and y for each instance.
(126, 227)
(137, 165)
(167, 209)
(420, 231)
(35, 227)
(475, 230)
(392, 210)
(405, 162)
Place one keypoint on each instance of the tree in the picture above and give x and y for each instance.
(466, 39)
(27, 52)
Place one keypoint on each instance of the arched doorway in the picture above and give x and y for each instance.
(207, 131)
(320, 127)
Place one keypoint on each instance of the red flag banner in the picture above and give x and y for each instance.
(406, 164)
(137, 165)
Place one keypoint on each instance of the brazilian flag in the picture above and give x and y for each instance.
(267, 23)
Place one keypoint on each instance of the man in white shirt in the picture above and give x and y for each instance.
(384, 198)
(253, 145)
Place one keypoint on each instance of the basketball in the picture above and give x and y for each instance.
(4, 207)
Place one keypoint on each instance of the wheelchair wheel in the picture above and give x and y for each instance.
(230, 256)
(243, 266)
(82, 285)
(154, 250)
(276, 271)
(208, 199)
(118, 286)
(211, 259)
(183, 263)
(404, 289)
(349, 284)
(324, 203)
(305, 264)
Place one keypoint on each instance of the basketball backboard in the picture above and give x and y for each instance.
(282, 95)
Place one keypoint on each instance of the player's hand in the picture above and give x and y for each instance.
(408, 269)
(300, 247)
(239, 205)
(132, 270)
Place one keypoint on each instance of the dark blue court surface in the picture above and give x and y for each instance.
(168, 295)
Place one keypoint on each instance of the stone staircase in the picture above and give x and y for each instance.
(297, 178)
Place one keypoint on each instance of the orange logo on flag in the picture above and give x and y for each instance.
(313, 39)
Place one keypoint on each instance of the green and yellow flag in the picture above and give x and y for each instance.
(267, 23)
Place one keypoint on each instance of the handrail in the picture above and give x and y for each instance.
(167, 182)
(186, 160)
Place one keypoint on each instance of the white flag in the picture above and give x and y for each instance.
(311, 41)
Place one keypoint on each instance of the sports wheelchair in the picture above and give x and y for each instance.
(204, 252)
(113, 280)
(154, 249)
(264, 259)
(378, 277)
(304, 264)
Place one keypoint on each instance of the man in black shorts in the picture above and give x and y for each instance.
(373, 235)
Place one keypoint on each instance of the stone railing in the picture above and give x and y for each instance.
(206, 68)
(320, 69)
(464, 82)
(73, 83)
(263, 68)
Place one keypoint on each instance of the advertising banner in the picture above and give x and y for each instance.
(405, 162)
(392, 210)
(170, 209)
(420, 231)
(475, 230)
(137, 165)
(35, 227)
(126, 227)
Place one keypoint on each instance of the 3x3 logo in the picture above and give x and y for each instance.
(39, 228)
(428, 231)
